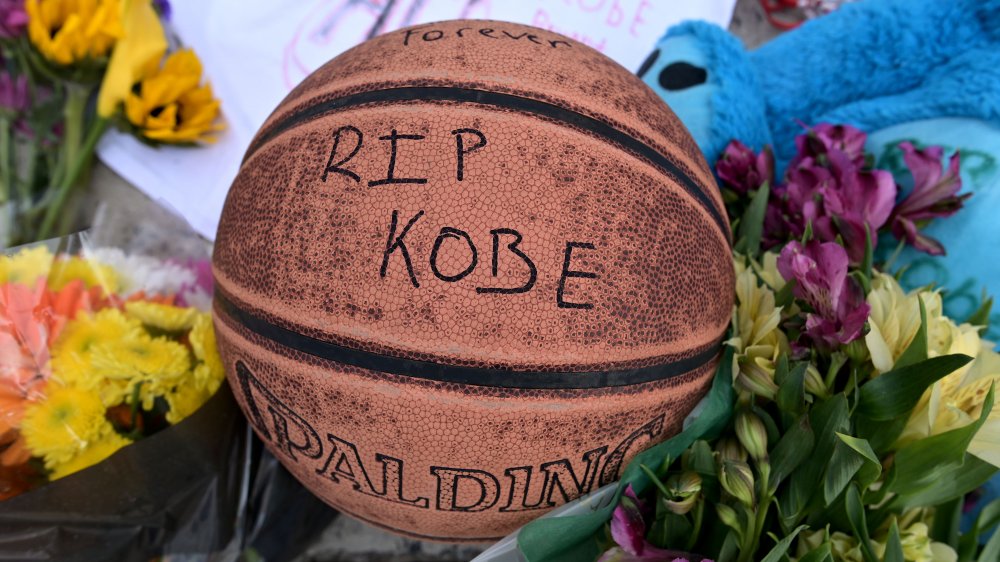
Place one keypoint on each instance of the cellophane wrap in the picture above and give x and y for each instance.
(119, 438)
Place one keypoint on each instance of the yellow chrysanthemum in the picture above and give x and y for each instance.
(99, 450)
(168, 105)
(894, 320)
(72, 354)
(26, 266)
(162, 316)
(69, 31)
(208, 374)
(154, 364)
(185, 400)
(91, 273)
(63, 424)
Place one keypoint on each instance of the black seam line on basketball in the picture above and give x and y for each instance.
(476, 376)
(508, 101)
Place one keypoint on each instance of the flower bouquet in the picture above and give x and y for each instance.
(850, 418)
(68, 71)
(118, 436)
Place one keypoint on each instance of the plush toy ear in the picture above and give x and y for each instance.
(704, 75)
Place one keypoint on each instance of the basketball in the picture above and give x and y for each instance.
(466, 272)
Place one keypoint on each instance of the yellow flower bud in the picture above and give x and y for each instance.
(728, 516)
(754, 378)
(737, 480)
(752, 434)
(814, 383)
(729, 449)
(685, 489)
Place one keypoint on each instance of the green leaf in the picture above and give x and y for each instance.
(826, 418)
(570, 539)
(792, 449)
(981, 317)
(791, 396)
(779, 550)
(985, 521)
(821, 553)
(917, 350)
(897, 392)
(784, 296)
(924, 463)
(866, 262)
(752, 224)
(954, 483)
(893, 546)
(850, 454)
(882, 435)
(947, 517)
(856, 516)
(991, 552)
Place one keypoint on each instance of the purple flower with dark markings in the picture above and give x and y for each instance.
(743, 170)
(13, 93)
(934, 195)
(839, 309)
(826, 137)
(628, 529)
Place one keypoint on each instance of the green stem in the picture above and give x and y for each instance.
(31, 165)
(699, 512)
(6, 165)
(753, 535)
(76, 156)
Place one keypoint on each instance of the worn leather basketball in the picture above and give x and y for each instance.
(467, 271)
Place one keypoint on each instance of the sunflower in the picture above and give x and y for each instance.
(162, 316)
(69, 31)
(63, 424)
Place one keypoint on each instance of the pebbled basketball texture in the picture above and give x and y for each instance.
(467, 271)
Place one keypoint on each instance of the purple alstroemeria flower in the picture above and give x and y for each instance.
(934, 195)
(859, 201)
(820, 271)
(13, 93)
(628, 529)
(826, 137)
(13, 18)
(743, 170)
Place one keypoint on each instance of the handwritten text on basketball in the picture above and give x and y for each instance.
(460, 245)
(428, 35)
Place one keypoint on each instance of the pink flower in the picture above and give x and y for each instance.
(861, 200)
(827, 189)
(13, 18)
(934, 195)
(627, 526)
(825, 137)
(742, 170)
(839, 309)
(13, 93)
(628, 529)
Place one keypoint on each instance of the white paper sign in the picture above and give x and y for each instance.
(255, 51)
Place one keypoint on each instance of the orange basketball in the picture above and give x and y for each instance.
(466, 272)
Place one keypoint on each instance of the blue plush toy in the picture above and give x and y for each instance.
(926, 71)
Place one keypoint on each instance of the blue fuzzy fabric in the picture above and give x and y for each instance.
(927, 71)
